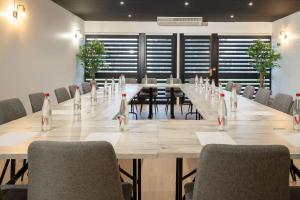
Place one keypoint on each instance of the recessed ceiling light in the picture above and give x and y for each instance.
(186, 3)
(122, 3)
(250, 3)
(129, 15)
(232, 16)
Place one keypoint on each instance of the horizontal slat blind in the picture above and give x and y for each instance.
(234, 61)
(121, 58)
(196, 56)
(159, 59)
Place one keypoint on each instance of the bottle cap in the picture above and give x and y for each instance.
(77, 87)
(222, 95)
(46, 94)
(298, 95)
(124, 95)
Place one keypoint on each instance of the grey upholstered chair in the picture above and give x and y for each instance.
(241, 172)
(238, 88)
(62, 95)
(292, 108)
(11, 109)
(262, 96)
(36, 101)
(131, 80)
(249, 92)
(229, 86)
(86, 87)
(72, 90)
(74, 171)
(283, 102)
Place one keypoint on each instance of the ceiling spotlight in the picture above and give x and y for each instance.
(122, 3)
(186, 3)
(232, 16)
(129, 15)
(250, 3)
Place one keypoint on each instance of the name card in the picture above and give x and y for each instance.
(214, 138)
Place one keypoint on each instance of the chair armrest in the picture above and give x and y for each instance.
(127, 190)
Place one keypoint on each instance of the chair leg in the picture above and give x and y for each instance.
(24, 163)
(167, 105)
(4, 171)
(141, 109)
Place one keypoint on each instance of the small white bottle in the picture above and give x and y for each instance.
(296, 113)
(171, 80)
(213, 87)
(201, 81)
(207, 85)
(46, 113)
(123, 114)
(146, 79)
(106, 91)
(233, 99)
(196, 80)
(77, 102)
(220, 89)
(113, 87)
(94, 94)
(222, 113)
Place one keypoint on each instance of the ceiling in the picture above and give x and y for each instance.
(211, 10)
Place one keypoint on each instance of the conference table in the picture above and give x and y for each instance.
(252, 124)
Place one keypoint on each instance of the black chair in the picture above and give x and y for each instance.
(177, 93)
(145, 94)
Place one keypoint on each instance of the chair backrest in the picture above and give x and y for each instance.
(72, 90)
(131, 81)
(150, 80)
(249, 92)
(238, 88)
(62, 95)
(242, 172)
(262, 96)
(11, 109)
(292, 108)
(86, 87)
(229, 86)
(283, 102)
(36, 101)
(73, 171)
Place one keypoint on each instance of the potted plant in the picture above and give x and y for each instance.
(92, 56)
(263, 58)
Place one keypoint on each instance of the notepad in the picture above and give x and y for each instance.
(291, 138)
(260, 113)
(62, 112)
(12, 139)
(112, 138)
(214, 138)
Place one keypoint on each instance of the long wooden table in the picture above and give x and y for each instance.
(155, 138)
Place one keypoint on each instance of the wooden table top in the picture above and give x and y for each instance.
(153, 138)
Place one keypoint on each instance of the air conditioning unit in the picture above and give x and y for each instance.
(181, 21)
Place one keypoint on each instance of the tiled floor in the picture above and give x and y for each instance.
(158, 175)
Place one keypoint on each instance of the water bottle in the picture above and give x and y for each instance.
(207, 85)
(233, 99)
(171, 80)
(77, 102)
(201, 81)
(123, 114)
(196, 80)
(113, 87)
(46, 113)
(106, 92)
(146, 79)
(222, 113)
(296, 113)
(123, 83)
(220, 89)
(120, 84)
(94, 94)
(213, 86)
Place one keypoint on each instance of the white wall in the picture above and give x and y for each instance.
(38, 53)
(286, 78)
(108, 27)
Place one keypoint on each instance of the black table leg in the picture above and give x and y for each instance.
(179, 179)
(134, 181)
(12, 168)
(172, 103)
(150, 103)
(139, 179)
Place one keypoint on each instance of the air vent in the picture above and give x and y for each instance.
(181, 21)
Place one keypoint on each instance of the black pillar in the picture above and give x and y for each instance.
(214, 57)
(182, 47)
(174, 55)
(142, 57)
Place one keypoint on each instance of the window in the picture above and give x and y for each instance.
(234, 62)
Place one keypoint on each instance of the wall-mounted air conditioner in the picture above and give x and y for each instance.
(181, 21)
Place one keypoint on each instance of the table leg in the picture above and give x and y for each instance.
(12, 168)
(134, 181)
(139, 179)
(172, 104)
(150, 103)
(178, 179)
